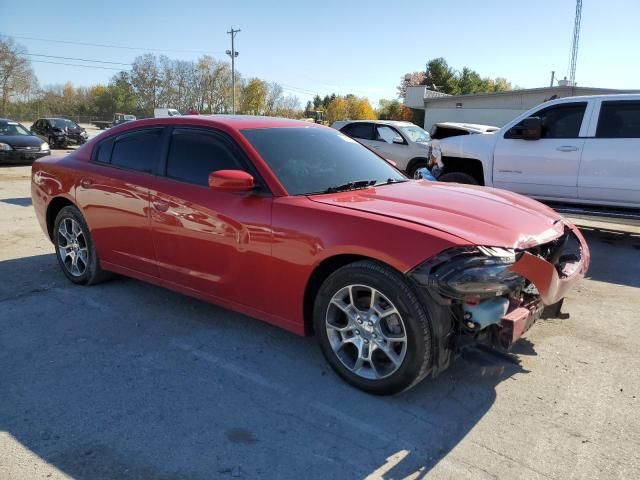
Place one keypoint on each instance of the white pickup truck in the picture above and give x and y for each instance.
(580, 150)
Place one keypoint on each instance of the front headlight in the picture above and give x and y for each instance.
(5, 147)
(44, 147)
(470, 272)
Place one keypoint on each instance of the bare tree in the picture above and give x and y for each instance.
(16, 75)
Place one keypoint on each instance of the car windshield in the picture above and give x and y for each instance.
(310, 160)
(63, 123)
(415, 134)
(12, 128)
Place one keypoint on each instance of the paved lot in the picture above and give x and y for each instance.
(125, 380)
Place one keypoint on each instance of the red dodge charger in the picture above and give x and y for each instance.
(300, 226)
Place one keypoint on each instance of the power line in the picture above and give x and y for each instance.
(111, 46)
(76, 65)
(74, 58)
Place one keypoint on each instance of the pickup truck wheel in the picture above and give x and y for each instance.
(458, 177)
(52, 142)
(372, 329)
(74, 248)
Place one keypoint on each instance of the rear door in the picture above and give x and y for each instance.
(610, 169)
(547, 167)
(363, 132)
(216, 243)
(114, 196)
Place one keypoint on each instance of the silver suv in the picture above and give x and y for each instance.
(402, 142)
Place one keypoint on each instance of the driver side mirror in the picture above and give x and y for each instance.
(231, 181)
(529, 129)
(398, 140)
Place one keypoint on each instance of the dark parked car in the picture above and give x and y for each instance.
(17, 143)
(59, 132)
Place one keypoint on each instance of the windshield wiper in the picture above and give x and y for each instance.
(392, 180)
(350, 186)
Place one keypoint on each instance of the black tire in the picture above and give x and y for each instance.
(91, 273)
(52, 143)
(418, 330)
(416, 166)
(458, 177)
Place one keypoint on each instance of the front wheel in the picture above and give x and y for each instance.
(458, 177)
(74, 248)
(413, 171)
(372, 328)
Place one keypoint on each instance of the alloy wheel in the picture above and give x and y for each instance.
(366, 332)
(72, 247)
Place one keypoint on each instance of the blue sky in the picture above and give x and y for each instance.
(340, 46)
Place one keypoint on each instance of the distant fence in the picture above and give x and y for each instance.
(32, 116)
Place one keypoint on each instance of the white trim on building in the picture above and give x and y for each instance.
(489, 108)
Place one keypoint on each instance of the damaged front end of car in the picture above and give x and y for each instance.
(493, 295)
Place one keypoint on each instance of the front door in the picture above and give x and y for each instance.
(216, 243)
(384, 145)
(547, 167)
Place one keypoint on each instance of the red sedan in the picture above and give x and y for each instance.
(300, 226)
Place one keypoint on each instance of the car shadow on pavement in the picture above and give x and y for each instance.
(618, 265)
(126, 380)
(20, 202)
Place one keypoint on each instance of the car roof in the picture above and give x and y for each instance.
(397, 123)
(236, 122)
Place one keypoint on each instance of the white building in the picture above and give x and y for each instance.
(488, 108)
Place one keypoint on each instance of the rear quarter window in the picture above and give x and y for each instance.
(619, 119)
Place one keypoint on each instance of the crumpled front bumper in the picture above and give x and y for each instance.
(551, 281)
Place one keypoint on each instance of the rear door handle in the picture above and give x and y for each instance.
(567, 148)
(86, 183)
(160, 205)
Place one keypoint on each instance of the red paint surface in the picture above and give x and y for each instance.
(256, 253)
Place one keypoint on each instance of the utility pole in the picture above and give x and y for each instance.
(233, 54)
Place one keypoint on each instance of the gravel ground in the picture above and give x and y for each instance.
(129, 381)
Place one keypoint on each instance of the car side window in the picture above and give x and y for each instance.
(363, 131)
(562, 121)
(619, 119)
(194, 154)
(386, 134)
(137, 150)
(102, 151)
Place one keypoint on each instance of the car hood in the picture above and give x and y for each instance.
(21, 140)
(479, 215)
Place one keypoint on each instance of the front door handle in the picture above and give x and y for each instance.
(160, 205)
(86, 183)
(567, 148)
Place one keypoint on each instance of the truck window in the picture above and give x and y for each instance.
(560, 121)
(619, 119)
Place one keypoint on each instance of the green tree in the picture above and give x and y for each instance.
(254, 97)
(441, 77)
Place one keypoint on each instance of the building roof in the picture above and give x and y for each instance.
(560, 91)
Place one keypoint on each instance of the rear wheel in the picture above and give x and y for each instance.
(74, 248)
(372, 329)
(458, 177)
